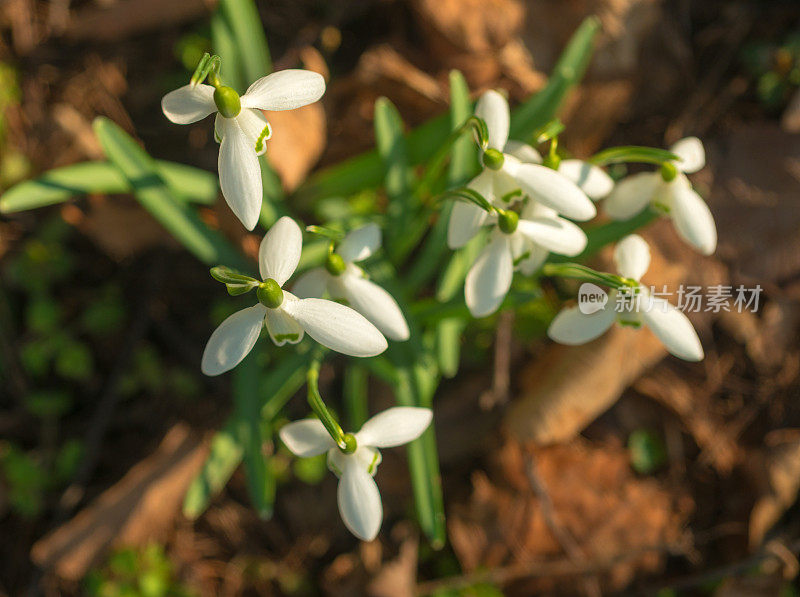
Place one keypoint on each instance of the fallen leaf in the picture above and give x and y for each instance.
(139, 508)
(777, 474)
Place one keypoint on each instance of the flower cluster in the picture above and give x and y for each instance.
(530, 205)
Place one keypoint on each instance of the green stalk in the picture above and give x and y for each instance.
(318, 405)
(356, 381)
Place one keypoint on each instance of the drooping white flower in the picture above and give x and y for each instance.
(358, 496)
(676, 198)
(287, 317)
(517, 242)
(632, 257)
(510, 166)
(241, 128)
(343, 280)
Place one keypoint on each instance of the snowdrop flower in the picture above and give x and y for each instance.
(592, 180)
(670, 192)
(358, 496)
(241, 128)
(344, 280)
(671, 326)
(286, 317)
(522, 242)
(509, 166)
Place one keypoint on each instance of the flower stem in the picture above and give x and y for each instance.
(318, 405)
(577, 271)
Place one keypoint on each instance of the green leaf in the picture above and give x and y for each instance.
(248, 33)
(61, 184)
(209, 246)
(356, 382)
(252, 434)
(464, 155)
(568, 71)
(224, 457)
(633, 153)
(448, 345)
(224, 44)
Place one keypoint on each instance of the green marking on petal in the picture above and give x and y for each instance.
(266, 133)
(289, 337)
(374, 464)
(631, 323)
(522, 258)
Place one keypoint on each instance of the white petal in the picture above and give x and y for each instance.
(593, 181)
(284, 90)
(572, 327)
(692, 154)
(311, 284)
(489, 278)
(374, 303)
(239, 173)
(554, 234)
(359, 501)
(306, 438)
(536, 257)
(282, 327)
(673, 328)
(232, 340)
(632, 257)
(493, 108)
(693, 219)
(338, 327)
(394, 427)
(553, 189)
(360, 243)
(467, 218)
(280, 250)
(523, 152)
(189, 103)
(255, 126)
(631, 195)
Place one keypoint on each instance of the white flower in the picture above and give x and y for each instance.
(287, 317)
(345, 281)
(358, 496)
(511, 166)
(242, 129)
(522, 244)
(676, 198)
(671, 326)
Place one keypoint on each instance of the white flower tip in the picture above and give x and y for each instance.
(692, 154)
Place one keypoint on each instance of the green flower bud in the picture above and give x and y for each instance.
(350, 444)
(493, 159)
(507, 221)
(335, 264)
(270, 294)
(668, 171)
(228, 102)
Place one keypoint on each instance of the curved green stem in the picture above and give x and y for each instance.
(577, 271)
(318, 405)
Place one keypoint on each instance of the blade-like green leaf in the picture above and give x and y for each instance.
(356, 381)
(247, 31)
(464, 156)
(224, 457)
(252, 432)
(448, 345)
(391, 144)
(61, 184)
(138, 168)
(569, 70)
(225, 46)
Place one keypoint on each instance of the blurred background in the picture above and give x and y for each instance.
(606, 470)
